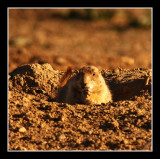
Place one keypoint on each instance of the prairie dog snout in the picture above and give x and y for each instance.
(86, 87)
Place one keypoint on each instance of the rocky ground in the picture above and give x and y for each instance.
(38, 122)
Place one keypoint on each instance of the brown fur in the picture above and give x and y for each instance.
(66, 76)
(86, 87)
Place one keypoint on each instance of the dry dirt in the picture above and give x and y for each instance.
(40, 49)
(38, 122)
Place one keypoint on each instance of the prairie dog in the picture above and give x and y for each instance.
(86, 87)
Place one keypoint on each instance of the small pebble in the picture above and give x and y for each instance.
(116, 70)
(22, 129)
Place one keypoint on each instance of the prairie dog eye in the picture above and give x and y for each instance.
(94, 74)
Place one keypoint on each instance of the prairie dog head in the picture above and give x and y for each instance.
(85, 87)
(89, 80)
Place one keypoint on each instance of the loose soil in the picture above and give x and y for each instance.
(38, 122)
(40, 49)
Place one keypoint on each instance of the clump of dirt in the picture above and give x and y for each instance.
(35, 79)
(38, 122)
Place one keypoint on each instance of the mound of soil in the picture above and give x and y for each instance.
(38, 122)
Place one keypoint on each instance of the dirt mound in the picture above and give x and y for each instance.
(38, 122)
(35, 78)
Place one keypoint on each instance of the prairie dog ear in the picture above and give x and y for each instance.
(66, 76)
(69, 70)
